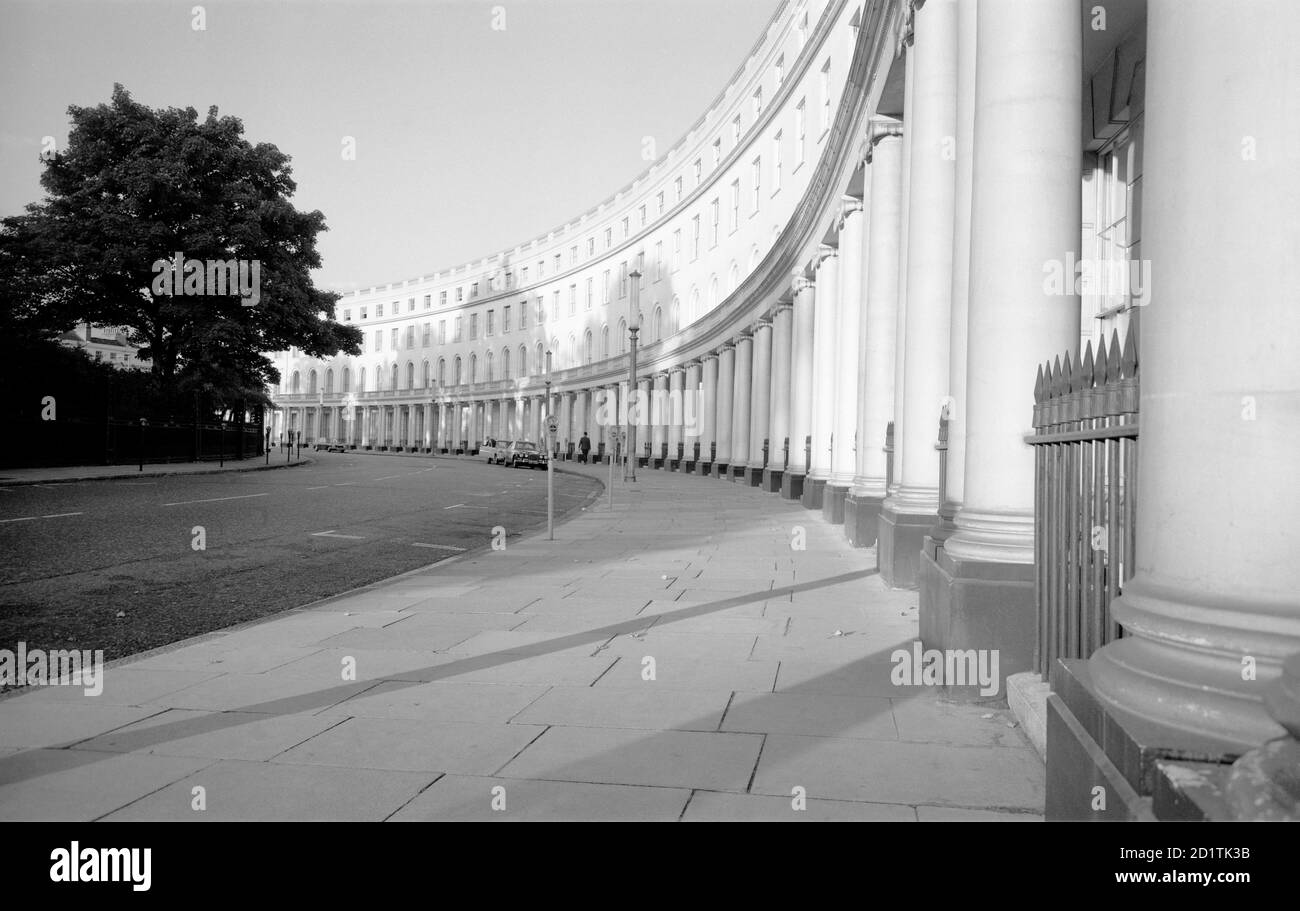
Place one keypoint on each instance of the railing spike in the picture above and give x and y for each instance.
(1086, 367)
(1067, 375)
(1113, 360)
(1056, 387)
(1040, 391)
(1130, 358)
(1100, 367)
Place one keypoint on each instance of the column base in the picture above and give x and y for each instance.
(792, 486)
(967, 604)
(1147, 771)
(773, 479)
(737, 473)
(720, 470)
(833, 504)
(814, 490)
(754, 476)
(898, 546)
(861, 519)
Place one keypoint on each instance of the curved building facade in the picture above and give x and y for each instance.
(900, 270)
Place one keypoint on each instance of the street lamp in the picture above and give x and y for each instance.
(550, 462)
(633, 327)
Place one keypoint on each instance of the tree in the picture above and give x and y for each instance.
(135, 187)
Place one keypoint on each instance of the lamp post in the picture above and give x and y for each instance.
(550, 467)
(633, 327)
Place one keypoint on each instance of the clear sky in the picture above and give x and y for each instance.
(468, 138)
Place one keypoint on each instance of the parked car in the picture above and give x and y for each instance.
(495, 451)
(525, 454)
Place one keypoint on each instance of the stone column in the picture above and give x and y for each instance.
(877, 333)
(659, 418)
(760, 411)
(676, 386)
(1212, 611)
(823, 388)
(740, 405)
(779, 398)
(566, 423)
(1025, 213)
(801, 383)
(909, 511)
(844, 419)
(726, 402)
(708, 411)
(692, 415)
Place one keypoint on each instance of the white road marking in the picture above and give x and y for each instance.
(404, 474)
(332, 534)
(247, 496)
(57, 515)
(438, 546)
(322, 487)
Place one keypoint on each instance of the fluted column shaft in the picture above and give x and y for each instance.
(929, 256)
(879, 325)
(1217, 573)
(801, 372)
(676, 387)
(852, 279)
(780, 391)
(708, 404)
(824, 349)
(726, 395)
(760, 392)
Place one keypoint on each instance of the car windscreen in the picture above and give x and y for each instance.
(526, 447)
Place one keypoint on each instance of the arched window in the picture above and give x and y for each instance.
(347, 380)
(587, 348)
(424, 374)
(488, 371)
(297, 381)
(442, 371)
(311, 381)
(733, 278)
(604, 341)
(657, 328)
(505, 363)
(621, 340)
(329, 380)
(410, 375)
(395, 378)
(456, 372)
(361, 381)
(473, 368)
(571, 353)
(539, 365)
(523, 362)
(675, 321)
(753, 258)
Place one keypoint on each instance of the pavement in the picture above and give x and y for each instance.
(674, 658)
(17, 477)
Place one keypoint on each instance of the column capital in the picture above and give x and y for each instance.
(710, 356)
(726, 346)
(848, 206)
(676, 368)
(801, 283)
(783, 307)
(824, 252)
(761, 323)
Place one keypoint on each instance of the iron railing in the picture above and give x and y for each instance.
(1085, 498)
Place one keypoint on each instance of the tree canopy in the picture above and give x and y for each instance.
(136, 186)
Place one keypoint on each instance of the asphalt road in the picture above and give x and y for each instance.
(82, 553)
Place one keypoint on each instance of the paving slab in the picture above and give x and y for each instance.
(667, 759)
(643, 708)
(77, 785)
(238, 791)
(406, 745)
(477, 799)
(710, 806)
